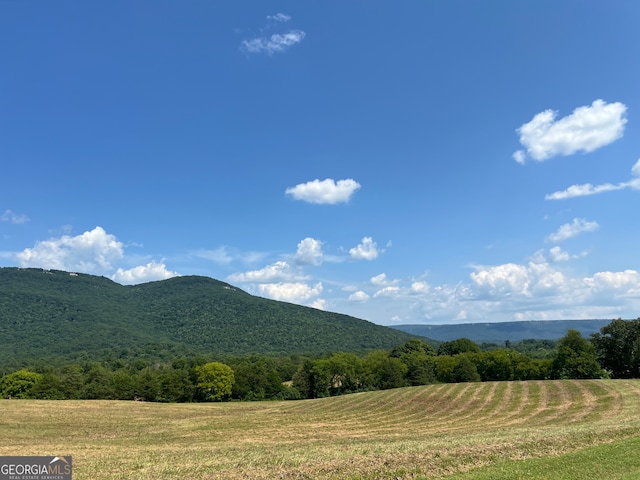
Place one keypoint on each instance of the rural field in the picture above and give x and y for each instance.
(569, 429)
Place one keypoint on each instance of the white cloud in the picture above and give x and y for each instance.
(391, 291)
(367, 250)
(309, 252)
(569, 230)
(359, 296)
(290, 292)
(93, 252)
(143, 273)
(15, 218)
(319, 303)
(326, 191)
(382, 280)
(420, 287)
(278, 271)
(279, 17)
(607, 281)
(558, 255)
(278, 42)
(589, 189)
(585, 130)
(500, 279)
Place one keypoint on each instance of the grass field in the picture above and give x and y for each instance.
(538, 429)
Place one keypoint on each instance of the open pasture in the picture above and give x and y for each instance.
(478, 430)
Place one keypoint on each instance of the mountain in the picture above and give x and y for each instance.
(52, 314)
(501, 331)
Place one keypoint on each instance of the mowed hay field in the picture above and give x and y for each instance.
(467, 430)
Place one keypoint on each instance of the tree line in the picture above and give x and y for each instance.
(614, 352)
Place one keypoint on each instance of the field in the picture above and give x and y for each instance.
(538, 429)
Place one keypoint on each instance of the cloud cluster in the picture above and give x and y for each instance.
(585, 130)
(276, 42)
(536, 290)
(287, 280)
(366, 250)
(326, 192)
(95, 252)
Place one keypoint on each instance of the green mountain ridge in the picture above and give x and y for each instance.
(52, 314)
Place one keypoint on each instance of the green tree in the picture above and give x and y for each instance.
(19, 384)
(618, 348)
(497, 365)
(214, 381)
(575, 358)
(461, 345)
(385, 372)
(418, 357)
(465, 370)
(99, 384)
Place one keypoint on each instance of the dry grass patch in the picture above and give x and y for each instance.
(418, 432)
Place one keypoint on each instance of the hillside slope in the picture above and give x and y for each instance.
(50, 313)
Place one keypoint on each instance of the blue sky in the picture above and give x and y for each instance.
(402, 162)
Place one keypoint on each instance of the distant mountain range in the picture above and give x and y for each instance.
(503, 331)
(57, 315)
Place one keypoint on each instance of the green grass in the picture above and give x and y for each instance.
(543, 429)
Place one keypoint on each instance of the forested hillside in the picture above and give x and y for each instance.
(51, 314)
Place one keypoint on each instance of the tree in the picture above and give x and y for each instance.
(461, 345)
(576, 358)
(618, 348)
(465, 370)
(19, 384)
(418, 357)
(383, 371)
(214, 381)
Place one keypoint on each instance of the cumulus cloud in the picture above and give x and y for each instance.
(143, 273)
(327, 191)
(359, 296)
(381, 280)
(505, 278)
(293, 292)
(309, 252)
(608, 281)
(390, 291)
(277, 42)
(420, 287)
(278, 271)
(589, 189)
(94, 252)
(12, 217)
(367, 250)
(319, 303)
(585, 130)
(569, 230)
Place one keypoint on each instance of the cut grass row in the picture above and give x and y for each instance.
(523, 429)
